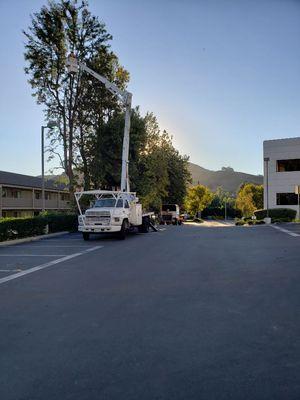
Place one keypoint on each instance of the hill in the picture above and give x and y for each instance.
(229, 179)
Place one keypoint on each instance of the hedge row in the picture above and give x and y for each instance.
(285, 214)
(58, 223)
(220, 212)
(16, 228)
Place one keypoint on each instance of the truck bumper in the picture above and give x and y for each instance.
(99, 228)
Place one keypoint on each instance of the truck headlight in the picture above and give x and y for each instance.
(117, 219)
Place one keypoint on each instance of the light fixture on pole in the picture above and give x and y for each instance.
(50, 125)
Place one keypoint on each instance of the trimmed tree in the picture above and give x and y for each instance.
(198, 197)
(250, 197)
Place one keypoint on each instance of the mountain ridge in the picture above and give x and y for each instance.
(226, 178)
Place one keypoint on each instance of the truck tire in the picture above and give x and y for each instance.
(122, 233)
(144, 228)
(86, 236)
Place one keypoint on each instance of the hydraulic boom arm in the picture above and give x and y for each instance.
(126, 98)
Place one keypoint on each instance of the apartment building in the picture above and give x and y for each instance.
(281, 173)
(21, 195)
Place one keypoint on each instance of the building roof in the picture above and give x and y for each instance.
(10, 178)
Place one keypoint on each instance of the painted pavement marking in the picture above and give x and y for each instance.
(47, 265)
(285, 231)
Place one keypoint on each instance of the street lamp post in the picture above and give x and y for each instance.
(50, 125)
(266, 160)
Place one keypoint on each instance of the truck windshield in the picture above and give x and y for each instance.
(110, 202)
(169, 207)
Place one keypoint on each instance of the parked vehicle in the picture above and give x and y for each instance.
(113, 211)
(170, 214)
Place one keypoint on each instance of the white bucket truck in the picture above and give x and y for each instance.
(112, 211)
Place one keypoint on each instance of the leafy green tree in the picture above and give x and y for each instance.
(179, 175)
(89, 137)
(221, 197)
(152, 178)
(198, 197)
(250, 198)
(77, 106)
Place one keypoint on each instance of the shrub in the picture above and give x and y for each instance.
(198, 220)
(259, 222)
(16, 228)
(220, 212)
(240, 223)
(256, 222)
(61, 222)
(13, 228)
(286, 214)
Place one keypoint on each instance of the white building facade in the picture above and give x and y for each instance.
(281, 173)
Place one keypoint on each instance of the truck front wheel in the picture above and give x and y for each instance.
(122, 232)
(86, 236)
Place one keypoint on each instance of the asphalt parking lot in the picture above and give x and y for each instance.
(26, 258)
(187, 313)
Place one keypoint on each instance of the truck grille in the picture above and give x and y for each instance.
(97, 218)
(97, 214)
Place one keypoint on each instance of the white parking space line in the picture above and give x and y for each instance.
(47, 265)
(32, 255)
(36, 246)
(285, 231)
(66, 240)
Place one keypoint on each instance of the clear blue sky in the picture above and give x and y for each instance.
(221, 76)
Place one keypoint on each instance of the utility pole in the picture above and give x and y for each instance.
(43, 167)
(297, 191)
(267, 159)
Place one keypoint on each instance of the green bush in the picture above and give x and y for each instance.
(240, 222)
(256, 222)
(198, 220)
(280, 220)
(61, 222)
(220, 212)
(259, 222)
(277, 214)
(17, 228)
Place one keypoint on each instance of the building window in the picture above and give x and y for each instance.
(288, 165)
(48, 196)
(38, 195)
(287, 199)
(12, 193)
(64, 196)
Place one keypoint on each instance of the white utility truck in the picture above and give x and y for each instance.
(112, 211)
(170, 214)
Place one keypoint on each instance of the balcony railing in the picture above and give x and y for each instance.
(27, 203)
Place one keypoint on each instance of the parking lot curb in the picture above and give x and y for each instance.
(31, 239)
